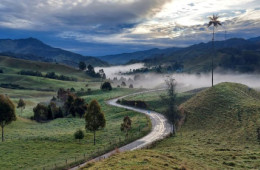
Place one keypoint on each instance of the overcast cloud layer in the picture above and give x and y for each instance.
(99, 27)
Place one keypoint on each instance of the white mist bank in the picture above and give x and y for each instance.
(184, 81)
(114, 71)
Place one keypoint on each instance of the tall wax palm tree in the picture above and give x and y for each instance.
(215, 23)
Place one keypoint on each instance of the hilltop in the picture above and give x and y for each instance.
(34, 49)
(219, 132)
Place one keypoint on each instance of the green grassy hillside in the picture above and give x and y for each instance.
(219, 132)
(32, 145)
(13, 65)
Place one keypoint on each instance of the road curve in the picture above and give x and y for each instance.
(160, 129)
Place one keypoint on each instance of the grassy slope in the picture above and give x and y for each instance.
(14, 65)
(218, 137)
(34, 145)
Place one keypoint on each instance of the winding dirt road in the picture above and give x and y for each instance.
(160, 129)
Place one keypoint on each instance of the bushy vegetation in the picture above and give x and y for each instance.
(106, 86)
(79, 134)
(134, 103)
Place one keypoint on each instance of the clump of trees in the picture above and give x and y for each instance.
(7, 112)
(75, 106)
(42, 113)
(169, 99)
(94, 118)
(31, 73)
(21, 104)
(106, 86)
(68, 104)
(82, 65)
(91, 72)
(79, 134)
(126, 125)
(50, 75)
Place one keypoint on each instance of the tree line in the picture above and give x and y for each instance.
(50, 75)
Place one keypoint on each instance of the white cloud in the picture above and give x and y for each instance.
(155, 22)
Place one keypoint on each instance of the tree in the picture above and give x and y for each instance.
(82, 65)
(21, 104)
(79, 134)
(7, 112)
(79, 107)
(215, 23)
(42, 113)
(131, 86)
(169, 99)
(106, 86)
(102, 74)
(123, 83)
(94, 118)
(126, 125)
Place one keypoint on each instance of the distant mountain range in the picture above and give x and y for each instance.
(34, 49)
(235, 54)
(137, 56)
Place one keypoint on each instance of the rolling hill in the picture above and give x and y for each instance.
(34, 49)
(220, 131)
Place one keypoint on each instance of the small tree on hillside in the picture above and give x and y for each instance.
(7, 112)
(79, 134)
(123, 83)
(82, 65)
(131, 86)
(21, 105)
(94, 118)
(126, 125)
(106, 86)
(170, 100)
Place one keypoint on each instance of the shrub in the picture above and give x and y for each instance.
(42, 113)
(79, 134)
(106, 86)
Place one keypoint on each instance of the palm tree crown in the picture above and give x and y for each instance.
(214, 21)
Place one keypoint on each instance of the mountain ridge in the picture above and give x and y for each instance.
(34, 49)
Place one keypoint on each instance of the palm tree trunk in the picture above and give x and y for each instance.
(212, 57)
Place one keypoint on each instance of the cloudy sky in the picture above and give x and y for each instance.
(101, 27)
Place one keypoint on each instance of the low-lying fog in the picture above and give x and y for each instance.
(184, 81)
